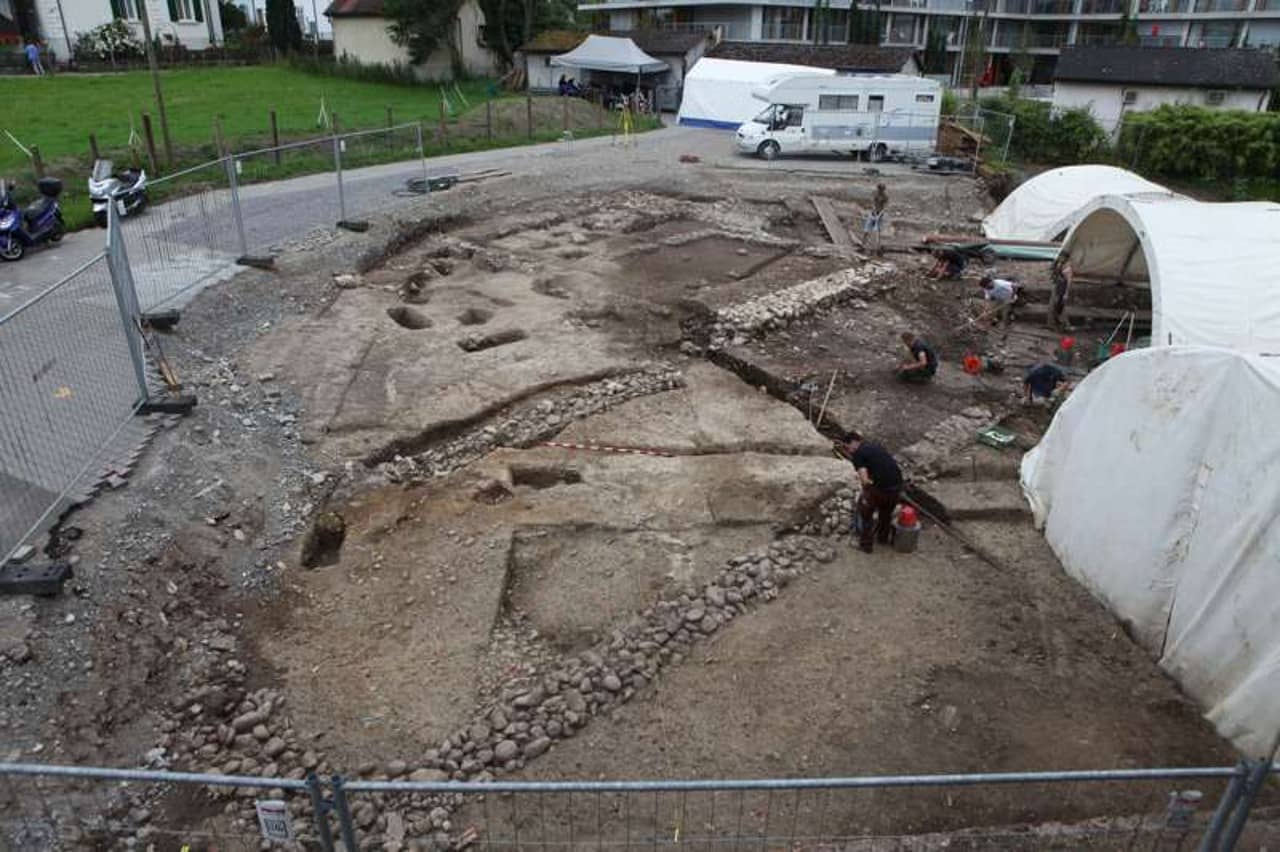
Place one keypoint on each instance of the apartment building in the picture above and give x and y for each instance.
(1037, 29)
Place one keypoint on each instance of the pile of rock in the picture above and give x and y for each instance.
(927, 457)
(834, 515)
(525, 425)
(783, 307)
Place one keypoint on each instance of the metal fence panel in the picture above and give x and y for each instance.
(70, 368)
(363, 190)
(187, 238)
(268, 210)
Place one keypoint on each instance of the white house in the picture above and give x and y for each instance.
(192, 23)
(360, 31)
(1111, 81)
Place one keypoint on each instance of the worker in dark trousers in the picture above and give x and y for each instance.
(922, 362)
(1061, 273)
(881, 481)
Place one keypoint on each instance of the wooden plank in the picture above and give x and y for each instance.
(831, 221)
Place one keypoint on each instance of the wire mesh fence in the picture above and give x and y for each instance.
(70, 378)
(187, 237)
(43, 807)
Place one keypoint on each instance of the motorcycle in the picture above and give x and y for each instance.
(40, 222)
(128, 188)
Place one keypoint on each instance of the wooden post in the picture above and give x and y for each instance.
(150, 137)
(93, 147)
(336, 126)
(565, 103)
(444, 128)
(275, 137)
(219, 141)
(528, 112)
(600, 112)
(37, 162)
(390, 124)
(488, 120)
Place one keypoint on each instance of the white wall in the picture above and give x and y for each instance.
(367, 40)
(1106, 102)
(84, 15)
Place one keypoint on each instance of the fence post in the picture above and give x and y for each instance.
(1013, 122)
(93, 147)
(566, 112)
(151, 143)
(218, 139)
(390, 124)
(422, 156)
(233, 182)
(275, 137)
(337, 170)
(1212, 832)
(37, 162)
(444, 127)
(126, 299)
(320, 812)
(528, 112)
(1253, 784)
(344, 813)
(488, 120)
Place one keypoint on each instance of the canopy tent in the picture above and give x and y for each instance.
(717, 92)
(1045, 207)
(609, 53)
(1229, 296)
(1149, 489)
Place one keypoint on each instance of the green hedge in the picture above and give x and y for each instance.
(1194, 142)
(1043, 135)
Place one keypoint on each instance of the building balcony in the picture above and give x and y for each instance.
(1165, 7)
(1052, 7)
(729, 30)
(1046, 40)
(1222, 5)
(1103, 7)
(1160, 41)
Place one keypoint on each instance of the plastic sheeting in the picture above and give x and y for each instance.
(1045, 207)
(609, 53)
(1157, 487)
(717, 92)
(1213, 269)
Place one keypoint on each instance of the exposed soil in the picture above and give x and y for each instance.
(574, 548)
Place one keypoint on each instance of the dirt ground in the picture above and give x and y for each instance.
(580, 545)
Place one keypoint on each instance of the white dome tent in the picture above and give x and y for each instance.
(1046, 206)
(1213, 269)
(1156, 483)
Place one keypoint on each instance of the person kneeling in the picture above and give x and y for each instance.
(922, 362)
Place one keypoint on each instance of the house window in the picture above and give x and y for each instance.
(838, 103)
(783, 23)
(875, 103)
(185, 9)
(1130, 97)
(1215, 98)
(127, 9)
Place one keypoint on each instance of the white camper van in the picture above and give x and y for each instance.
(876, 114)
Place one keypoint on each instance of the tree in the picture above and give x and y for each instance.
(1128, 29)
(423, 26)
(282, 26)
(232, 16)
(935, 50)
(864, 24)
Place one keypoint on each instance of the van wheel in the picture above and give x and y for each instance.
(769, 150)
(878, 152)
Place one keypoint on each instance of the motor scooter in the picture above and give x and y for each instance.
(40, 222)
(128, 188)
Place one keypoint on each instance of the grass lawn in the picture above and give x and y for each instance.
(58, 113)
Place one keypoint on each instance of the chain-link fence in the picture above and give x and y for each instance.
(43, 807)
(987, 134)
(71, 377)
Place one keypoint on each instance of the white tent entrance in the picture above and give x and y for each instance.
(1213, 269)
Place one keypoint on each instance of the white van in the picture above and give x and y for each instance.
(877, 115)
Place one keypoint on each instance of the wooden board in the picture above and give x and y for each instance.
(831, 221)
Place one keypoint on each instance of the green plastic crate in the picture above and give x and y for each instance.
(996, 436)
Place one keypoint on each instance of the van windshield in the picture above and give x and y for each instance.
(765, 116)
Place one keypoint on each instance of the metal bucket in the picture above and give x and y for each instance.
(905, 539)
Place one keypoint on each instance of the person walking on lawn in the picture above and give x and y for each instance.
(922, 362)
(32, 52)
(881, 481)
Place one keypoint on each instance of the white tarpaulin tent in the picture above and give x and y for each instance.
(717, 92)
(1213, 269)
(608, 53)
(1154, 489)
(1045, 207)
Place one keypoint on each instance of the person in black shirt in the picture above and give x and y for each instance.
(881, 481)
(922, 364)
(1041, 381)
